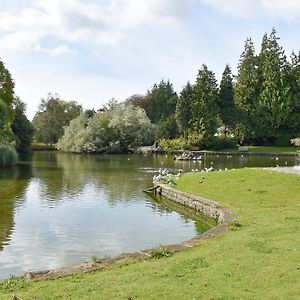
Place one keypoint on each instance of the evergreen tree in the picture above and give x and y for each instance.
(183, 109)
(167, 129)
(246, 94)
(273, 107)
(163, 100)
(204, 109)
(227, 110)
(293, 95)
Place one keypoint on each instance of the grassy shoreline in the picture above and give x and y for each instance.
(259, 260)
(252, 150)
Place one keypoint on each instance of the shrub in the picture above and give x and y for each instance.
(283, 141)
(222, 143)
(161, 252)
(8, 156)
(175, 144)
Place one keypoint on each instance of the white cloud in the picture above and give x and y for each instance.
(288, 10)
(83, 21)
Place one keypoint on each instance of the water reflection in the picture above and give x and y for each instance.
(62, 208)
(14, 182)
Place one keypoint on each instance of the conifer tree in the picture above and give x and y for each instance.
(164, 99)
(204, 109)
(273, 107)
(183, 109)
(246, 93)
(227, 109)
(293, 95)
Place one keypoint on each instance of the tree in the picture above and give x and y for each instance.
(227, 110)
(22, 127)
(184, 110)
(77, 138)
(54, 113)
(293, 95)
(7, 90)
(117, 128)
(246, 93)
(163, 101)
(204, 108)
(273, 107)
(6, 135)
(167, 129)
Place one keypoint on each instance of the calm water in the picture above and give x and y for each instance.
(61, 209)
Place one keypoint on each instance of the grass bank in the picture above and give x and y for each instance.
(259, 260)
(262, 149)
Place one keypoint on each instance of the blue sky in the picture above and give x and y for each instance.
(94, 50)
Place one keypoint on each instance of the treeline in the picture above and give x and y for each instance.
(16, 130)
(260, 105)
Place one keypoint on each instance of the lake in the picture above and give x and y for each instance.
(61, 209)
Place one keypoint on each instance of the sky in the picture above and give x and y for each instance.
(93, 50)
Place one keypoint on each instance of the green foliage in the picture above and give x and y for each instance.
(174, 144)
(52, 116)
(76, 137)
(204, 109)
(8, 156)
(161, 252)
(6, 135)
(22, 128)
(224, 143)
(167, 128)
(162, 101)
(184, 109)
(246, 93)
(292, 81)
(7, 90)
(118, 128)
(284, 140)
(273, 109)
(227, 109)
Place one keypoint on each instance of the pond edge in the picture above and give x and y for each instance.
(210, 208)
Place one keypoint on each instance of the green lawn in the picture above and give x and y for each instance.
(261, 149)
(259, 260)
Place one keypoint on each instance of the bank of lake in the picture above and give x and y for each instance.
(259, 260)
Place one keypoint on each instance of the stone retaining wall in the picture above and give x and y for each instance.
(208, 207)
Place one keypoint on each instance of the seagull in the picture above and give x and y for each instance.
(172, 182)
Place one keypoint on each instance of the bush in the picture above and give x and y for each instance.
(222, 143)
(283, 141)
(175, 144)
(8, 156)
(160, 252)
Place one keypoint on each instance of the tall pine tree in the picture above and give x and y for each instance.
(204, 109)
(293, 95)
(227, 110)
(183, 109)
(246, 94)
(273, 107)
